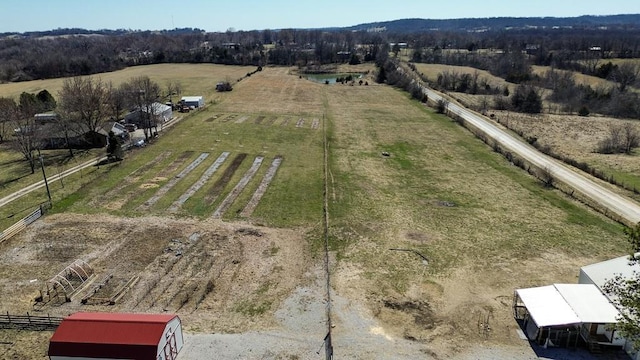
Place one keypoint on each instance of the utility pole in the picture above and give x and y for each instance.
(44, 175)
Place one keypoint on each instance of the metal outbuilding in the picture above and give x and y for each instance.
(600, 273)
(195, 101)
(108, 336)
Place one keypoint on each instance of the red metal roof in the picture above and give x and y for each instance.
(109, 335)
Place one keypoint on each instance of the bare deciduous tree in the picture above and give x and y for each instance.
(623, 138)
(631, 137)
(173, 88)
(83, 101)
(626, 74)
(144, 92)
(83, 107)
(7, 108)
(546, 176)
(117, 101)
(25, 139)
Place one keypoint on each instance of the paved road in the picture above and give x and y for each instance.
(626, 210)
(40, 184)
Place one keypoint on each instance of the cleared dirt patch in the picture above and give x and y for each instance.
(131, 178)
(270, 120)
(216, 117)
(300, 123)
(165, 189)
(175, 164)
(238, 188)
(315, 124)
(231, 117)
(259, 120)
(184, 266)
(421, 311)
(241, 119)
(148, 186)
(228, 173)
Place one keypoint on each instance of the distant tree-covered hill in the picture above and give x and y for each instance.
(501, 23)
(564, 43)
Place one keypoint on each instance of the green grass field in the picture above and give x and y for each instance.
(433, 162)
(485, 226)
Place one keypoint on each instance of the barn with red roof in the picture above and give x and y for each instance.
(117, 336)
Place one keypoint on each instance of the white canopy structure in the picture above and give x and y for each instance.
(567, 304)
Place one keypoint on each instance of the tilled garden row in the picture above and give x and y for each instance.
(146, 191)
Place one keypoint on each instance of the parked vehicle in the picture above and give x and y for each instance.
(131, 127)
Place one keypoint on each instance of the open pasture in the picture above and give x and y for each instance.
(485, 226)
(194, 79)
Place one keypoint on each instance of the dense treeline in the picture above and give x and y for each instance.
(59, 54)
(29, 58)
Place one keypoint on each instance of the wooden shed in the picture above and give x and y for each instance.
(107, 336)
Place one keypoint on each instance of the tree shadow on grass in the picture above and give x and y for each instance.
(108, 161)
(7, 182)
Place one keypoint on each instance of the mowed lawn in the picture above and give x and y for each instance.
(15, 174)
(243, 122)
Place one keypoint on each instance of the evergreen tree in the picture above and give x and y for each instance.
(114, 148)
(46, 100)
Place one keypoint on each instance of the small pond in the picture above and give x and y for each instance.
(330, 78)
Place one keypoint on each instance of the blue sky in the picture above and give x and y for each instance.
(215, 15)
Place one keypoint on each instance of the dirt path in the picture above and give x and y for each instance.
(622, 208)
(40, 184)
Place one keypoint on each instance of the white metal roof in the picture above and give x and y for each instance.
(566, 304)
(547, 307)
(158, 108)
(601, 272)
(589, 303)
(192, 98)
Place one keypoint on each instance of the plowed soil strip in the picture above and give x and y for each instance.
(241, 119)
(230, 118)
(285, 122)
(163, 190)
(270, 120)
(175, 164)
(135, 174)
(300, 123)
(238, 188)
(315, 124)
(219, 185)
(259, 120)
(200, 183)
(262, 188)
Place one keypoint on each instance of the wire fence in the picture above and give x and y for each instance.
(29, 322)
(24, 222)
